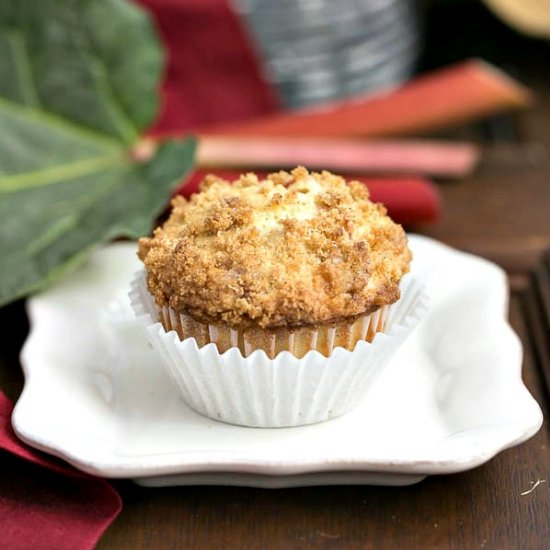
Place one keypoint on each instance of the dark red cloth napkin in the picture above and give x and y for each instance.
(47, 504)
(408, 200)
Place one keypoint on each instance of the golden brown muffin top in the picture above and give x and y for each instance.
(294, 249)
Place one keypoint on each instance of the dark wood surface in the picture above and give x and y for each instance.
(503, 213)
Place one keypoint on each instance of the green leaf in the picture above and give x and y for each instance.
(78, 84)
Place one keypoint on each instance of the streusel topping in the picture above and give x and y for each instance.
(294, 249)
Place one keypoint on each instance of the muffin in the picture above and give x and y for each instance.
(301, 262)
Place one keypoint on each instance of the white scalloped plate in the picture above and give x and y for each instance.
(452, 397)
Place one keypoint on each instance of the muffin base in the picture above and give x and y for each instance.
(298, 341)
(286, 391)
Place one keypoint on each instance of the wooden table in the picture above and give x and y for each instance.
(503, 213)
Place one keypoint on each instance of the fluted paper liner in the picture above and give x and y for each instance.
(298, 341)
(283, 391)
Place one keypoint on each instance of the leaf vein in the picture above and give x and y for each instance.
(26, 112)
(56, 174)
(23, 68)
(112, 103)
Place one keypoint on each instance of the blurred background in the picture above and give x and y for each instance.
(233, 64)
(433, 104)
(234, 59)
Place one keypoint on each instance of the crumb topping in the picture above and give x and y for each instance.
(294, 249)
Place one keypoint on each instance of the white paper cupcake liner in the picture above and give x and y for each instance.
(257, 391)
